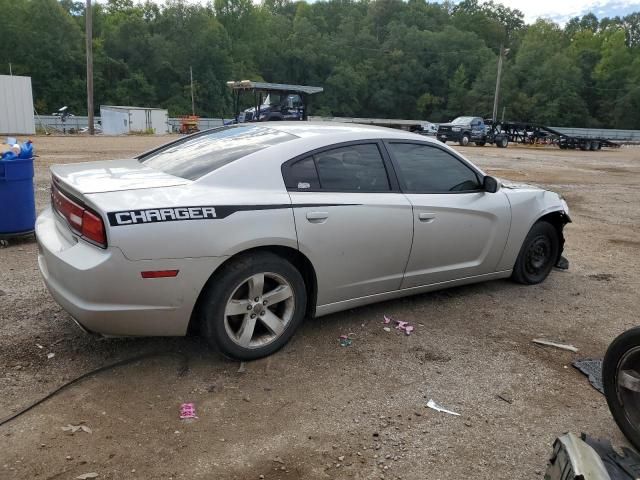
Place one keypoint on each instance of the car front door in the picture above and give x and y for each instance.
(460, 230)
(353, 223)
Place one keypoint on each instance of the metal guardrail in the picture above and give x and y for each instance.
(76, 123)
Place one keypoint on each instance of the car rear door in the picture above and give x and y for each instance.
(352, 221)
(460, 230)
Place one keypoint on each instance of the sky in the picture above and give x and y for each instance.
(562, 10)
(559, 11)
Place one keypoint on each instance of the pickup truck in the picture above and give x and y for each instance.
(465, 130)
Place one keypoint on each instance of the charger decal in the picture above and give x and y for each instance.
(207, 212)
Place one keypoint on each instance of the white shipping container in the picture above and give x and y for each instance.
(117, 120)
(16, 105)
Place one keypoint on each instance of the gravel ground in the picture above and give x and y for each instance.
(316, 410)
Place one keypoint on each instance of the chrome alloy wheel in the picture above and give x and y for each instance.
(259, 310)
(628, 388)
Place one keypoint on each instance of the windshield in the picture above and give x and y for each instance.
(198, 155)
(462, 120)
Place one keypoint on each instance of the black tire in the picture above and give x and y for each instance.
(595, 145)
(584, 146)
(502, 142)
(480, 144)
(464, 140)
(220, 290)
(624, 404)
(443, 140)
(538, 254)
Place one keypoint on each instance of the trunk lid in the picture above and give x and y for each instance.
(111, 176)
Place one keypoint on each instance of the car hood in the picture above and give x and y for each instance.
(112, 175)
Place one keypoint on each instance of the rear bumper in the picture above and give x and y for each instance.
(104, 291)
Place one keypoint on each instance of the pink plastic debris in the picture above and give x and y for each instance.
(401, 325)
(187, 410)
(387, 320)
(408, 329)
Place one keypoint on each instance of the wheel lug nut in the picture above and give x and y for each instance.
(264, 302)
(253, 315)
(256, 299)
(262, 313)
(249, 307)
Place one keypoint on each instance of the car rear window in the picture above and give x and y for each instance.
(198, 155)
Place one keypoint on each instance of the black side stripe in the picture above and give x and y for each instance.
(199, 212)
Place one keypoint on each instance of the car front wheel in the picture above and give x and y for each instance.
(253, 306)
(537, 255)
(464, 140)
(621, 381)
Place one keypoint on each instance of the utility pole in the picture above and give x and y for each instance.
(89, 35)
(193, 105)
(497, 94)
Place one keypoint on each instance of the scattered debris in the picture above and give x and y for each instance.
(592, 368)
(39, 346)
(404, 326)
(75, 428)
(187, 410)
(439, 408)
(562, 346)
(278, 460)
(505, 397)
(345, 341)
(84, 476)
(50, 355)
(242, 368)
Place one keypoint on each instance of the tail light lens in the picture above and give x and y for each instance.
(83, 221)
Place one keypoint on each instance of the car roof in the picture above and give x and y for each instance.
(330, 129)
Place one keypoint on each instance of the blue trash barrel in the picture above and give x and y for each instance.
(17, 198)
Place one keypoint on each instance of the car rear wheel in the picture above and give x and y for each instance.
(537, 255)
(253, 307)
(621, 379)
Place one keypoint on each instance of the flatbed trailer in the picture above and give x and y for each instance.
(534, 133)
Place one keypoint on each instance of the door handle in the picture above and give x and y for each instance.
(427, 217)
(317, 217)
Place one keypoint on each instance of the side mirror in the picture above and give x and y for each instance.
(490, 184)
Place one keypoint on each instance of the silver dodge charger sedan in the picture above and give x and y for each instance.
(240, 232)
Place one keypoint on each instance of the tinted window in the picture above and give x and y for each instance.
(352, 168)
(303, 175)
(429, 169)
(196, 156)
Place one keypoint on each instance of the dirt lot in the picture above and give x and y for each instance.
(317, 410)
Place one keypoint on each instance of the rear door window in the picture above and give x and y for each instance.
(303, 175)
(201, 154)
(352, 168)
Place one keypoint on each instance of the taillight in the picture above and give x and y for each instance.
(83, 221)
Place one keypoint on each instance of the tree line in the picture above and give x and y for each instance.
(374, 58)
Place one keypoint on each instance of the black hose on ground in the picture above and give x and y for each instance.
(183, 369)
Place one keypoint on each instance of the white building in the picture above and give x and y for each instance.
(117, 120)
(16, 105)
